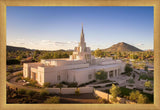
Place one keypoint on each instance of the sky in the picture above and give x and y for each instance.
(54, 28)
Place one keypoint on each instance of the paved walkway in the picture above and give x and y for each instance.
(22, 87)
(13, 84)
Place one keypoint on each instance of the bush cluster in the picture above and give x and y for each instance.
(137, 97)
(54, 99)
(77, 91)
(47, 84)
(84, 84)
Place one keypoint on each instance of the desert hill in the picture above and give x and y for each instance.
(122, 46)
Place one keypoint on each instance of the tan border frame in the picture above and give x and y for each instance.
(154, 3)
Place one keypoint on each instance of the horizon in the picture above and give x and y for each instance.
(55, 28)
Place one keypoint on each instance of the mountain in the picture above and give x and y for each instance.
(122, 46)
(12, 48)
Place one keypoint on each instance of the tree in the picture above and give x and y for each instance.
(137, 94)
(101, 75)
(142, 99)
(99, 53)
(115, 91)
(134, 95)
(19, 57)
(128, 68)
(148, 84)
(146, 68)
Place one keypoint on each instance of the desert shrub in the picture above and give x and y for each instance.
(47, 84)
(125, 91)
(108, 85)
(13, 61)
(8, 73)
(54, 99)
(21, 91)
(32, 83)
(145, 77)
(59, 85)
(20, 74)
(97, 86)
(63, 82)
(26, 79)
(10, 68)
(149, 89)
(84, 84)
(73, 84)
(130, 81)
(148, 84)
(31, 93)
(134, 95)
(101, 100)
(17, 79)
(77, 91)
(43, 93)
(105, 81)
(142, 99)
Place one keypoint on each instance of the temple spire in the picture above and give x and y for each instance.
(82, 35)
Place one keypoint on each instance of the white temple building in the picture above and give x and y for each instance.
(80, 67)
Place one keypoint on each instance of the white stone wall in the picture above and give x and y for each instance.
(102, 94)
(86, 90)
(68, 90)
(82, 90)
(50, 76)
(53, 90)
(81, 76)
(27, 68)
(108, 62)
(40, 75)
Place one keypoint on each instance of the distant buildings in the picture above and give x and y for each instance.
(80, 67)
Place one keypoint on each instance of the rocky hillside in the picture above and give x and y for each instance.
(122, 46)
(12, 48)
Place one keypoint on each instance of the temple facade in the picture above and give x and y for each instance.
(80, 67)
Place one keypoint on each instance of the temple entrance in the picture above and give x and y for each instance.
(34, 75)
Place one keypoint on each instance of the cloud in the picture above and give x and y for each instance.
(43, 44)
(139, 44)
